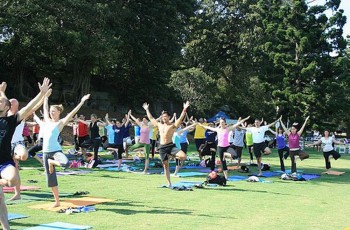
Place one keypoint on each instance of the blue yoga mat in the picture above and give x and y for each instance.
(192, 167)
(267, 174)
(59, 226)
(288, 171)
(187, 184)
(237, 178)
(205, 170)
(188, 174)
(308, 176)
(13, 216)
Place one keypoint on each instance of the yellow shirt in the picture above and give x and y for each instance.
(199, 133)
(155, 133)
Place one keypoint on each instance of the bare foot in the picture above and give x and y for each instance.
(51, 168)
(144, 172)
(57, 204)
(15, 197)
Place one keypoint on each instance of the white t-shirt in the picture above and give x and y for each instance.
(17, 136)
(327, 144)
(258, 134)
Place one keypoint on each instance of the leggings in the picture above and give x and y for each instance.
(280, 154)
(36, 148)
(140, 145)
(302, 156)
(221, 151)
(51, 178)
(326, 155)
(96, 145)
(153, 147)
(250, 148)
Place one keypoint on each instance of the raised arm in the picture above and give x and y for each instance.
(46, 106)
(284, 127)
(273, 132)
(3, 87)
(70, 115)
(145, 106)
(190, 128)
(239, 122)
(135, 120)
(25, 111)
(208, 127)
(303, 127)
(183, 113)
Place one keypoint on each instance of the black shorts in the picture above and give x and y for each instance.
(259, 149)
(199, 142)
(168, 149)
(82, 139)
(206, 150)
(238, 150)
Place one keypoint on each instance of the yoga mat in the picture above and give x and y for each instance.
(266, 174)
(205, 170)
(288, 171)
(25, 198)
(78, 172)
(188, 174)
(335, 173)
(13, 216)
(23, 188)
(58, 226)
(235, 167)
(192, 167)
(307, 176)
(155, 171)
(236, 178)
(83, 201)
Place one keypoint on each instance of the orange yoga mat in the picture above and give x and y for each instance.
(23, 188)
(336, 173)
(71, 203)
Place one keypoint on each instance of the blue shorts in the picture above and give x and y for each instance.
(4, 165)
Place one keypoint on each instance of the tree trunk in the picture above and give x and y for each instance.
(81, 83)
(19, 83)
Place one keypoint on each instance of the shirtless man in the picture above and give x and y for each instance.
(166, 130)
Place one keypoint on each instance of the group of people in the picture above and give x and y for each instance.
(210, 139)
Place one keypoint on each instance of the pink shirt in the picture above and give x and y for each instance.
(223, 138)
(144, 135)
(26, 130)
(294, 141)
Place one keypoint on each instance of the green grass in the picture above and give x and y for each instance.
(139, 203)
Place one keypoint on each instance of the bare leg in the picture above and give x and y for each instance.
(39, 159)
(167, 172)
(225, 174)
(52, 164)
(239, 161)
(146, 166)
(55, 195)
(259, 165)
(17, 189)
(119, 163)
(178, 167)
(3, 211)
(267, 151)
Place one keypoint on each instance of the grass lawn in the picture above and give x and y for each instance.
(140, 203)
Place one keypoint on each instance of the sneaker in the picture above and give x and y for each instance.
(294, 174)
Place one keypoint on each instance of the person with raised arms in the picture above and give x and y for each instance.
(294, 143)
(52, 150)
(166, 130)
(8, 173)
(259, 145)
(144, 140)
(223, 139)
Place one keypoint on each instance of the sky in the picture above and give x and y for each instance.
(345, 5)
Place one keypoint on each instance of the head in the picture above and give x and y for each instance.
(183, 125)
(93, 117)
(14, 105)
(118, 123)
(294, 128)
(113, 121)
(165, 116)
(257, 123)
(5, 105)
(145, 120)
(326, 133)
(280, 130)
(55, 111)
(222, 122)
(211, 124)
(201, 120)
(82, 117)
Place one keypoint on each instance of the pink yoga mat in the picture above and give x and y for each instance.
(23, 188)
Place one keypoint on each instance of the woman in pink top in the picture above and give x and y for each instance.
(223, 139)
(294, 146)
(144, 140)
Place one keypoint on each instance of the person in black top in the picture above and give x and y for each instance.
(209, 148)
(8, 173)
(95, 138)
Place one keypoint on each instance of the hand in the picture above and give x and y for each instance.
(86, 97)
(186, 105)
(145, 106)
(48, 93)
(106, 117)
(3, 87)
(45, 86)
(129, 112)
(280, 119)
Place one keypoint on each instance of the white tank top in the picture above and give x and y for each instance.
(17, 135)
